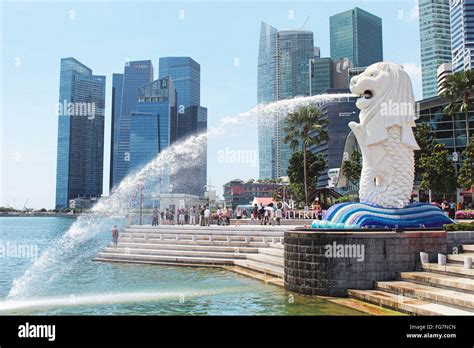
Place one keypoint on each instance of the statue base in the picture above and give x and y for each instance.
(363, 215)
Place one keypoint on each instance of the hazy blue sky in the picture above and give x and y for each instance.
(222, 37)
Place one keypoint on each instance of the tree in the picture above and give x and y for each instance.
(304, 128)
(466, 173)
(353, 167)
(426, 141)
(437, 171)
(296, 173)
(458, 88)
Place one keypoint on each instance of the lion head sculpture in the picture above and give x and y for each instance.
(386, 100)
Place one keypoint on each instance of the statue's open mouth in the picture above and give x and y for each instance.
(367, 94)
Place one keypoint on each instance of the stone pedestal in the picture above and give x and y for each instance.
(329, 263)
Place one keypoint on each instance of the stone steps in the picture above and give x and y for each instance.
(176, 252)
(450, 268)
(468, 247)
(267, 259)
(459, 258)
(255, 252)
(278, 252)
(261, 267)
(429, 293)
(190, 247)
(405, 304)
(249, 244)
(439, 280)
(122, 257)
(270, 279)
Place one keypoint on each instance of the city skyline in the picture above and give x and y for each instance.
(234, 70)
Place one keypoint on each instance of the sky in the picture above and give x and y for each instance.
(221, 36)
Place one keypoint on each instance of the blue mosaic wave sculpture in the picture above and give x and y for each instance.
(363, 215)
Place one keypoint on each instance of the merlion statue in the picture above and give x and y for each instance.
(385, 134)
(385, 137)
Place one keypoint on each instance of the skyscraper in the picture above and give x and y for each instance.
(190, 119)
(462, 34)
(357, 35)
(79, 171)
(151, 122)
(283, 72)
(435, 42)
(124, 102)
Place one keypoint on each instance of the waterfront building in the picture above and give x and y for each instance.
(191, 118)
(79, 170)
(283, 72)
(435, 42)
(462, 34)
(339, 112)
(356, 35)
(450, 131)
(124, 102)
(444, 70)
(238, 192)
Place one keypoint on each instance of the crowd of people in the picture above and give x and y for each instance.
(270, 214)
(448, 207)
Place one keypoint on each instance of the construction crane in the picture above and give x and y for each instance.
(24, 206)
(305, 21)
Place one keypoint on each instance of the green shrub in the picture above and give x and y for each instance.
(460, 226)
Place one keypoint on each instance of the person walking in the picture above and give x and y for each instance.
(201, 216)
(452, 209)
(238, 216)
(228, 215)
(207, 215)
(192, 216)
(181, 216)
(115, 235)
(253, 215)
(278, 216)
(154, 214)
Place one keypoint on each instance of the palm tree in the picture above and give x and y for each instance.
(458, 89)
(304, 128)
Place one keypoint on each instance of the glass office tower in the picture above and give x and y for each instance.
(357, 35)
(151, 122)
(79, 170)
(190, 119)
(283, 72)
(435, 42)
(462, 34)
(124, 102)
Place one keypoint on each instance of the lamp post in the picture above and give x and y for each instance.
(141, 202)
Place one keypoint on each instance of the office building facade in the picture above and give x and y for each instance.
(356, 35)
(79, 171)
(462, 34)
(283, 72)
(124, 102)
(339, 113)
(435, 42)
(151, 125)
(190, 119)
